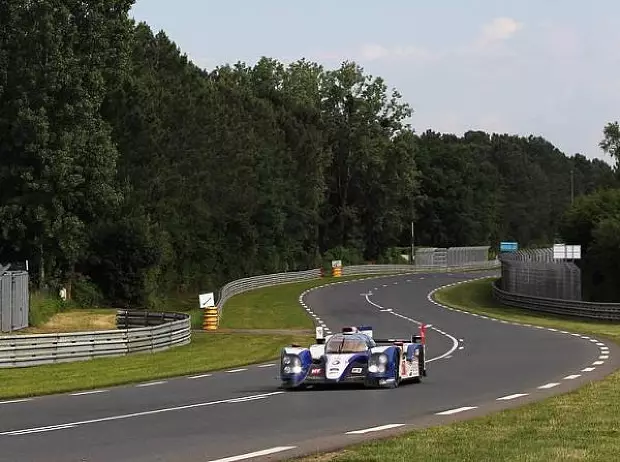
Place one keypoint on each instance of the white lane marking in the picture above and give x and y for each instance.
(455, 342)
(548, 385)
(588, 369)
(388, 310)
(598, 363)
(509, 397)
(249, 455)
(235, 370)
(82, 393)
(50, 428)
(266, 365)
(150, 384)
(138, 414)
(201, 376)
(572, 377)
(13, 401)
(600, 344)
(374, 429)
(457, 410)
(603, 357)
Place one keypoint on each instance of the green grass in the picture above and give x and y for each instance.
(206, 352)
(42, 308)
(583, 425)
(274, 307)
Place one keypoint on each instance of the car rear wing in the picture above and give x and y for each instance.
(421, 338)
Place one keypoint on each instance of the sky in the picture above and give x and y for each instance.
(545, 68)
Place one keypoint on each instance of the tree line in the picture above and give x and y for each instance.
(128, 172)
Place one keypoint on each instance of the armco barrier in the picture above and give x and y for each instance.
(574, 308)
(243, 285)
(360, 270)
(157, 331)
(256, 282)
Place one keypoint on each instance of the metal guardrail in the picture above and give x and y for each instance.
(256, 282)
(573, 308)
(162, 331)
(359, 270)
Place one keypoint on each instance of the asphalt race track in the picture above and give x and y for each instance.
(476, 365)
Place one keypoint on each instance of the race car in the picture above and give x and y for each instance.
(354, 356)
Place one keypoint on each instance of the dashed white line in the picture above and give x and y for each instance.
(94, 392)
(266, 365)
(150, 384)
(250, 455)
(135, 414)
(510, 397)
(572, 377)
(548, 385)
(235, 370)
(455, 342)
(457, 410)
(588, 369)
(374, 429)
(201, 376)
(598, 363)
(603, 357)
(14, 401)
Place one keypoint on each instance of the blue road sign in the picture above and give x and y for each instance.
(508, 246)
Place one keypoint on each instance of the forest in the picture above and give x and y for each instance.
(127, 172)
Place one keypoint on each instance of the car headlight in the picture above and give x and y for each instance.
(378, 363)
(292, 365)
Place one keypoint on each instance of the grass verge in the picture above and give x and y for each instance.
(205, 353)
(274, 307)
(580, 425)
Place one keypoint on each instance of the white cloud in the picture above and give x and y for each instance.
(499, 30)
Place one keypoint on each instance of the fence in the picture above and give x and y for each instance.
(532, 280)
(162, 331)
(452, 256)
(14, 299)
(574, 308)
(535, 273)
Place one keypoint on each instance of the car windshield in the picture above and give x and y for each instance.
(345, 344)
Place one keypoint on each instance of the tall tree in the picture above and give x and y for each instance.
(59, 161)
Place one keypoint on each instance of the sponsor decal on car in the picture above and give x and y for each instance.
(356, 370)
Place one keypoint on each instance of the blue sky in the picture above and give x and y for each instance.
(548, 68)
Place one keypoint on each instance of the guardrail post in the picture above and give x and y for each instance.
(211, 318)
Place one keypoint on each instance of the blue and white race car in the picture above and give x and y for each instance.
(354, 356)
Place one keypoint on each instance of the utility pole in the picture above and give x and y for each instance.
(412, 244)
(572, 186)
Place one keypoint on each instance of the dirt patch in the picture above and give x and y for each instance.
(76, 321)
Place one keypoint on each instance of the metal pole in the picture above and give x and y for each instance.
(572, 186)
(412, 244)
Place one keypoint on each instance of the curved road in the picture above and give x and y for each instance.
(476, 365)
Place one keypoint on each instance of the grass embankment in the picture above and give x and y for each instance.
(274, 307)
(581, 425)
